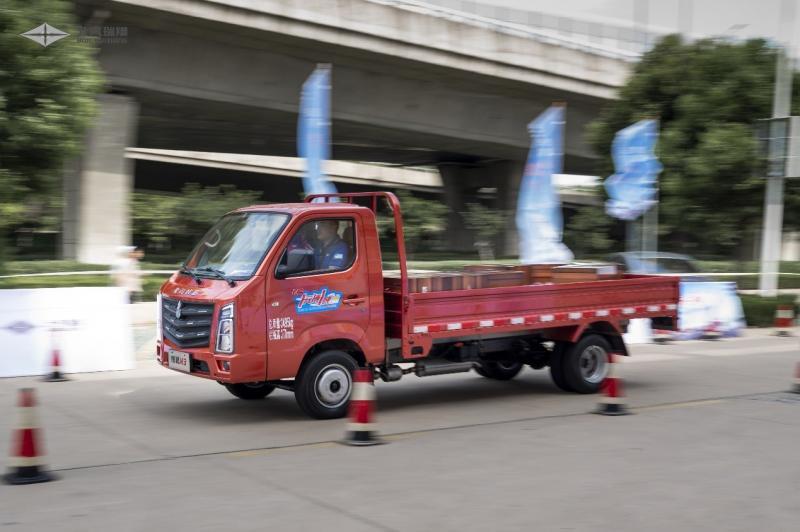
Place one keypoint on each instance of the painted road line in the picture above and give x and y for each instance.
(273, 450)
(636, 358)
(702, 402)
(755, 351)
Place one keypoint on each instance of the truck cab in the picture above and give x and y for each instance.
(268, 285)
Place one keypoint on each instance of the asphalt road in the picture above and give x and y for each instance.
(712, 446)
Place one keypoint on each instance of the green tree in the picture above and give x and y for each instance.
(46, 103)
(707, 95)
(486, 224)
(172, 223)
(423, 220)
(586, 232)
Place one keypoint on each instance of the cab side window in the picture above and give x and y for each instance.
(319, 246)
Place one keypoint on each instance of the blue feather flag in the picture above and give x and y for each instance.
(314, 130)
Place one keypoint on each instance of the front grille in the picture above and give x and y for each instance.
(193, 328)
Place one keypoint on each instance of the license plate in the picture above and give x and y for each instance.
(180, 361)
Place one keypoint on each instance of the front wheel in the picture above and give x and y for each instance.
(499, 370)
(250, 390)
(324, 385)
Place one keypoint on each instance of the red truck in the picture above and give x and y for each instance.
(293, 296)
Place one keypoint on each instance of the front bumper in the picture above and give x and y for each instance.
(226, 368)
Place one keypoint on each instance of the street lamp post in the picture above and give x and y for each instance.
(772, 229)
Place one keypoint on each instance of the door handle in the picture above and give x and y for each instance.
(353, 300)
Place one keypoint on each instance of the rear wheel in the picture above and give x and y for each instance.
(499, 370)
(585, 364)
(557, 366)
(324, 385)
(250, 390)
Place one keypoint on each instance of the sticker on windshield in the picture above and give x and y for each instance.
(317, 300)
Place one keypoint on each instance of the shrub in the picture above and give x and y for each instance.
(760, 311)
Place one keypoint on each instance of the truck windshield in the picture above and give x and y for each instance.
(235, 246)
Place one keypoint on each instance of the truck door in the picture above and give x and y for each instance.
(318, 291)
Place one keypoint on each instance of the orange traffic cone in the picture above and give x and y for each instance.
(361, 429)
(27, 462)
(796, 385)
(784, 316)
(55, 363)
(612, 403)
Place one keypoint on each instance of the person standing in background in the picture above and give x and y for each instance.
(126, 272)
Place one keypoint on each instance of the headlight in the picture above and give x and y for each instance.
(225, 329)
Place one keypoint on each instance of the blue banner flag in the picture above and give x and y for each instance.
(314, 130)
(632, 189)
(539, 221)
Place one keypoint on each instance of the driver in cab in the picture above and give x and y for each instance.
(331, 252)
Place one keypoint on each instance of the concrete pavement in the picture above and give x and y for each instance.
(712, 447)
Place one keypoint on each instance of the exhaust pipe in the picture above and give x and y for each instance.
(427, 370)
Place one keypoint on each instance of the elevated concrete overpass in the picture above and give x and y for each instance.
(410, 87)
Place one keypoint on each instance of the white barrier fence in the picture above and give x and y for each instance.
(90, 326)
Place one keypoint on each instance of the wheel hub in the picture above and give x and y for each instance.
(333, 385)
(593, 364)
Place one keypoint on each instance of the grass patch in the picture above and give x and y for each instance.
(150, 283)
(760, 311)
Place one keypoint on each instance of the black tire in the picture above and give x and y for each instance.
(319, 386)
(594, 361)
(557, 367)
(499, 370)
(250, 391)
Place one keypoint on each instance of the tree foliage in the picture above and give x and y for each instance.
(707, 95)
(586, 232)
(171, 224)
(46, 103)
(423, 221)
(486, 224)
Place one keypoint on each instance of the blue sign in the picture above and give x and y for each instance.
(314, 130)
(632, 189)
(539, 221)
(317, 301)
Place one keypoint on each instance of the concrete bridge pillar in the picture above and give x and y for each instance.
(462, 185)
(98, 185)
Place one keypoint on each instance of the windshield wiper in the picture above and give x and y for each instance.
(219, 274)
(191, 273)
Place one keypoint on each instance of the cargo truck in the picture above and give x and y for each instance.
(294, 297)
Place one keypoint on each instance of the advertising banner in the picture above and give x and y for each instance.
(89, 326)
(709, 307)
(705, 307)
